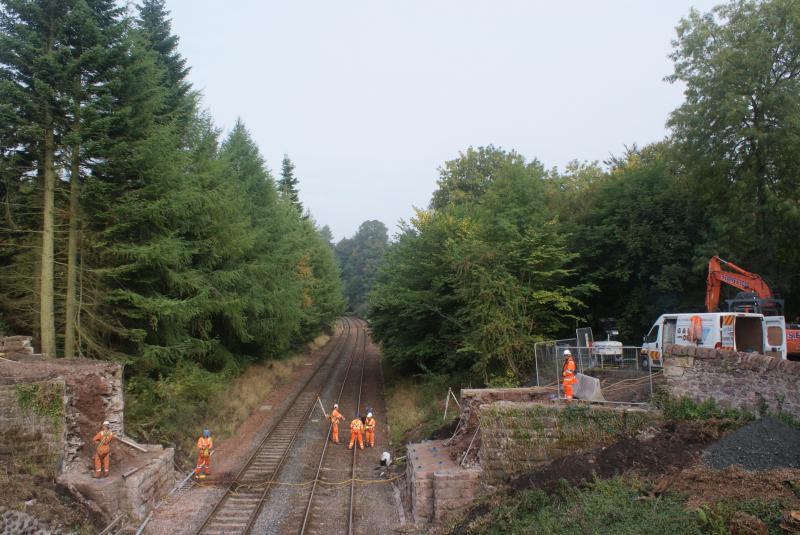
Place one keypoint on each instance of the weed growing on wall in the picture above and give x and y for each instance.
(43, 399)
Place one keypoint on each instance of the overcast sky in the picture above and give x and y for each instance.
(369, 98)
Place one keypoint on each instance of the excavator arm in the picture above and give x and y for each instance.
(734, 276)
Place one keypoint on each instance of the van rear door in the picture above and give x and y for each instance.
(775, 336)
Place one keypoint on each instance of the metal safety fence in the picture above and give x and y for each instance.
(618, 369)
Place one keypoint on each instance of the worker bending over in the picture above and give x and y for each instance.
(335, 418)
(205, 443)
(568, 372)
(356, 431)
(102, 454)
(369, 425)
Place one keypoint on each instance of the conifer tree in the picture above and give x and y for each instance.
(31, 62)
(288, 183)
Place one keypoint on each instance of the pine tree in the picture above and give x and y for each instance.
(32, 65)
(288, 183)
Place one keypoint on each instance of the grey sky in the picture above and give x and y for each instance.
(368, 98)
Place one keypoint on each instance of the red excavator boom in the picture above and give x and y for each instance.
(736, 277)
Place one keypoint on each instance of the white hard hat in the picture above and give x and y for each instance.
(335, 405)
(369, 415)
(106, 423)
(567, 352)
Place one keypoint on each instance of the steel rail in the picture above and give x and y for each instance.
(312, 494)
(322, 456)
(252, 505)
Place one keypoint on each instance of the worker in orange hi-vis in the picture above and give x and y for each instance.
(102, 454)
(369, 425)
(205, 443)
(568, 372)
(335, 418)
(356, 431)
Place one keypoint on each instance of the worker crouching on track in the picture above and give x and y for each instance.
(568, 372)
(369, 425)
(205, 443)
(356, 431)
(335, 418)
(103, 452)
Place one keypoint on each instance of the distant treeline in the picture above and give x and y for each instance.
(130, 230)
(510, 252)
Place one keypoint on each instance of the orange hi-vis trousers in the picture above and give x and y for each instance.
(335, 433)
(101, 457)
(356, 433)
(203, 463)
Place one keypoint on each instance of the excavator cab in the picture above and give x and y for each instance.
(752, 303)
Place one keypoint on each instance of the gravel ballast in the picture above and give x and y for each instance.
(761, 445)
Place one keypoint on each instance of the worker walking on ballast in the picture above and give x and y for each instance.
(205, 443)
(335, 418)
(369, 425)
(356, 431)
(568, 372)
(103, 452)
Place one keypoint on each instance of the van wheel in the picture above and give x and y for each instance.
(645, 362)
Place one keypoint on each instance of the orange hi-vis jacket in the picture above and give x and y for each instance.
(204, 445)
(370, 424)
(357, 425)
(336, 417)
(569, 372)
(102, 439)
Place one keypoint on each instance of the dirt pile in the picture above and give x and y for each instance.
(656, 451)
(706, 486)
(761, 445)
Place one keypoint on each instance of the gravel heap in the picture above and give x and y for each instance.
(761, 445)
(18, 523)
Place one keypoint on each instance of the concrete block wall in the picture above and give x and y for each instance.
(27, 433)
(518, 437)
(732, 378)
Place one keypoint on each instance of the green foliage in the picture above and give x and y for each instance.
(685, 408)
(43, 399)
(191, 265)
(605, 507)
(716, 519)
(360, 258)
(472, 284)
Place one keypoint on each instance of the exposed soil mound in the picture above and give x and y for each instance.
(675, 445)
(706, 486)
(760, 445)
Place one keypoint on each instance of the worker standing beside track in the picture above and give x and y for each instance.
(335, 418)
(356, 431)
(205, 443)
(568, 372)
(369, 424)
(102, 454)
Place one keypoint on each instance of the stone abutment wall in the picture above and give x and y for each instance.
(518, 437)
(748, 381)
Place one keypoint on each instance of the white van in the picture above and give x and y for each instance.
(737, 331)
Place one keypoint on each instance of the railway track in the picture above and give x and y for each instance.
(241, 504)
(320, 519)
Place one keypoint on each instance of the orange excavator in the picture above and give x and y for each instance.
(754, 296)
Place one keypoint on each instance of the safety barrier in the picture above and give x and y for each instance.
(618, 368)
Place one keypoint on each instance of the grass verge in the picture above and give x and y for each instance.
(175, 410)
(605, 507)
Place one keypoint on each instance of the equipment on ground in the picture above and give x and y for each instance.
(755, 296)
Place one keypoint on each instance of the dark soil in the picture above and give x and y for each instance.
(761, 445)
(675, 445)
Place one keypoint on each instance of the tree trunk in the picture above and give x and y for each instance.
(47, 320)
(72, 245)
(46, 312)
